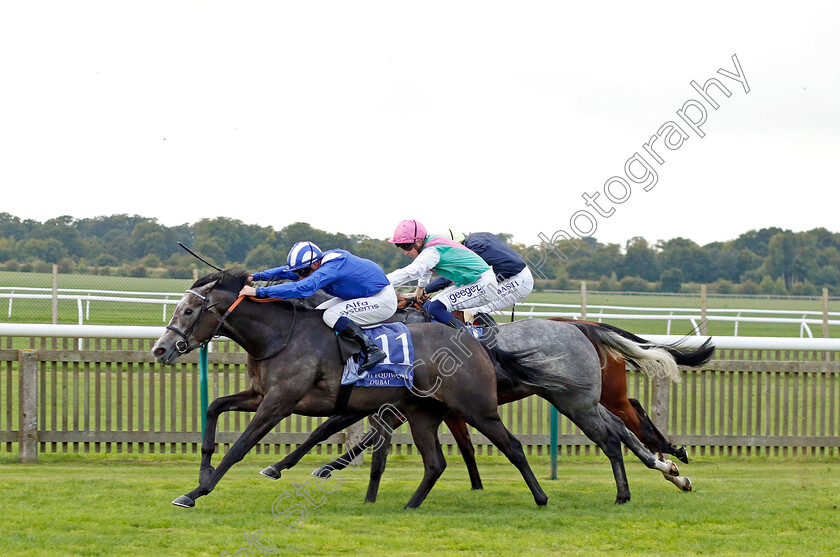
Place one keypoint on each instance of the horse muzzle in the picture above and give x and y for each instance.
(166, 354)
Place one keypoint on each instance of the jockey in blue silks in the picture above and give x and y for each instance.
(362, 295)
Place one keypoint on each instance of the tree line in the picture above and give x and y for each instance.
(767, 261)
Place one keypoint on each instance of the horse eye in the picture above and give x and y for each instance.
(188, 311)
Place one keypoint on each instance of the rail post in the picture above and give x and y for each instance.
(202, 369)
(825, 312)
(660, 394)
(54, 294)
(583, 299)
(553, 441)
(28, 409)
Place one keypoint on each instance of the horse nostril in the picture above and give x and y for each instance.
(159, 351)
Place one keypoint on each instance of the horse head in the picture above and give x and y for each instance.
(197, 317)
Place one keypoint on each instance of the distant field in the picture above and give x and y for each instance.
(683, 326)
(116, 313)
(100, 312)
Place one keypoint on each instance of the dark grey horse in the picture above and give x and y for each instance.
(553, 360)
(295, 367)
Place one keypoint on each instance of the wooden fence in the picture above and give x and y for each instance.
(109, 395)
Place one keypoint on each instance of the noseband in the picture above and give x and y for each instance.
(183, 346)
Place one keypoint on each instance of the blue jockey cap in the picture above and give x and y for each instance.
(303, 254)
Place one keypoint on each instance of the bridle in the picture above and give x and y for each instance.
(183, 346)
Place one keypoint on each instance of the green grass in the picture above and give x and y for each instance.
(106, 505)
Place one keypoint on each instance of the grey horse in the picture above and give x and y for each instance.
(554, 360)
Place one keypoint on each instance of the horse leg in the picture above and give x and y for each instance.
(323, 432)
(656, 443)
(377, 433)
(458, 428)
(682, 482)
(614, 398)
(655, 462)
(651, 436)
(244, 401)
(268, 414)
(640, 425)
(380, 437)
(342, 462)
(491, 426)
(424, 421)
(378, 462)
(602, 427)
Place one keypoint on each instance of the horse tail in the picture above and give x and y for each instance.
(650, 358)
(683, 356)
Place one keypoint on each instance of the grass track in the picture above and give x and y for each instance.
(72, 505)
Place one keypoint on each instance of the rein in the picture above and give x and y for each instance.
(288, 337)
(183, 346)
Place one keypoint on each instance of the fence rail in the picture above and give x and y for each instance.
(696, 317)
(87, 391)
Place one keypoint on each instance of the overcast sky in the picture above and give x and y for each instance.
(470, 115)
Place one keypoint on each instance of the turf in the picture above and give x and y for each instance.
(102, 505)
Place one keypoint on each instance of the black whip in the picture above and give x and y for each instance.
(194, 254)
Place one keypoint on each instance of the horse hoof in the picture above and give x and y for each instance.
(674, 471)
(687, 485)
(322, 472)
(621, 500)
(184, 501)
(682, 455)
(541, 501)
(271, 472)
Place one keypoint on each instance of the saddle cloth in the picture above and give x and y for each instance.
(397, 370)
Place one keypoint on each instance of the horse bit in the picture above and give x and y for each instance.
(183, 346)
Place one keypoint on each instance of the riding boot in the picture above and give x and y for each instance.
(488, 328)
(352, 331)
(456, 323)
(484, 320)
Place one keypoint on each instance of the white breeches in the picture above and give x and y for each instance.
(362, 311)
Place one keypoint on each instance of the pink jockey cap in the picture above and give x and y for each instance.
(408, 231)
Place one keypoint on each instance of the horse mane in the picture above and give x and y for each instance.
(231, 280)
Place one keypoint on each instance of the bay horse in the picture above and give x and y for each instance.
(613, 397)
